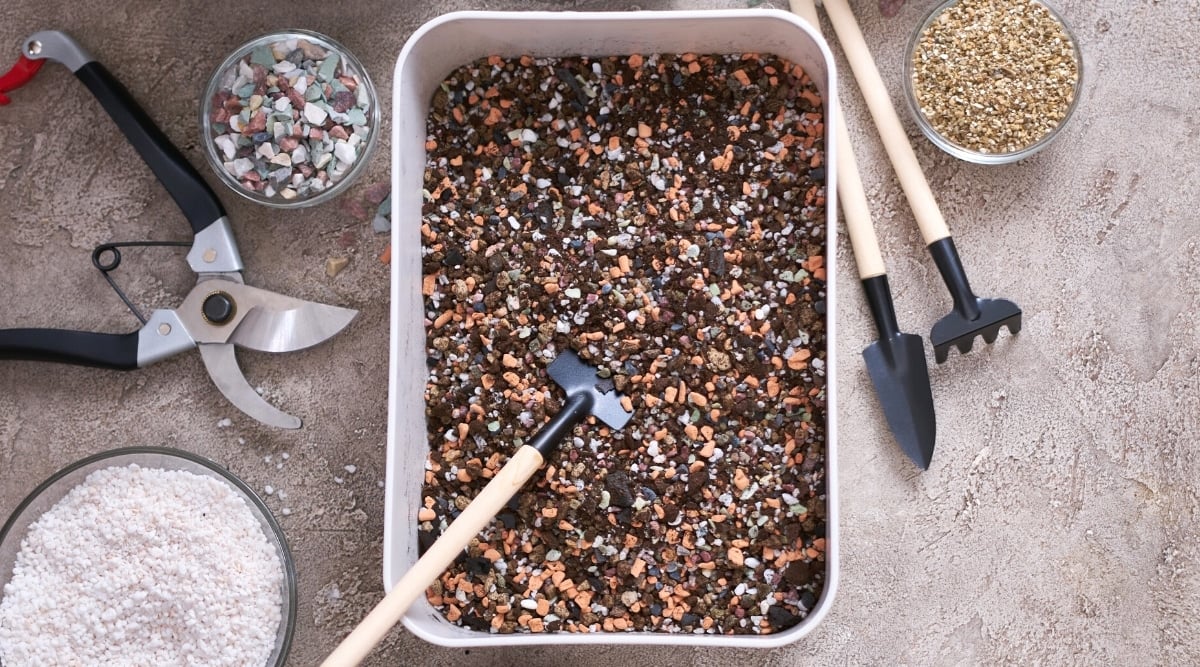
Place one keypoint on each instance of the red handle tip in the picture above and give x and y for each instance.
(20, 74)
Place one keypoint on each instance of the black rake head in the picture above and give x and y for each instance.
(956, 330)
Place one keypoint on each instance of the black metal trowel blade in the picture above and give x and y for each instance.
(897, 366)
(900, 374)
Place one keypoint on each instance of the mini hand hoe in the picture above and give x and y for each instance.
(587, 395)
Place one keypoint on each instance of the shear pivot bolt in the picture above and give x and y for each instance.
(219, 308)
(210, 256)
(164, 329)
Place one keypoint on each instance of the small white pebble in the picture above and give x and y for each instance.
(281, 494)
(227, 145)
(344, 152)
(224, 422)
(351, 469)
(241, 441)
(315, 114)
(286, 511)
(285, 456)
(268, 489)
(529, 603)
(338, 480)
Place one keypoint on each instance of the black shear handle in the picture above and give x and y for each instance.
(81, 348)
(189, 190)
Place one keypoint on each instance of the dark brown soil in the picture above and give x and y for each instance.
(664, 217)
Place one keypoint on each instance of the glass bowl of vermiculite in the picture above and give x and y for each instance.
(992, 81)
(290, 119)
(145, 556)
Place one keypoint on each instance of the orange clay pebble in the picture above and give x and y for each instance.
(637, 568)
(740, 480)
(736, 556)
(426, 514)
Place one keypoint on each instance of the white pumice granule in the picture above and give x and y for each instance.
(142, 566)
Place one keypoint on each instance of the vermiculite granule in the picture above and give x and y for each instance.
(141, 566)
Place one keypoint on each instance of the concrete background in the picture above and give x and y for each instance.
(1057, 525)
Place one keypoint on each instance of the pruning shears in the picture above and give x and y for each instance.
(220, 312)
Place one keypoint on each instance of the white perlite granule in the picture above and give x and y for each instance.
(141, 566)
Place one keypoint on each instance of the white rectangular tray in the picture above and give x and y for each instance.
(432, 52)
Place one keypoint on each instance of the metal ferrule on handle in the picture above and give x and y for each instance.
(945, 256)
(895, 141)
(547, 439)
(883, 311)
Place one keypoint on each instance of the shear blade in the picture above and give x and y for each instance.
(268, 330)
(277, 323)
(222, 367)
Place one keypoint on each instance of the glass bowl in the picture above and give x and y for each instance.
(50, 492)
(244, 159)
(964, 152)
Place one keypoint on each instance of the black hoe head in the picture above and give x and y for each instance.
(901, 378)
(576, 377)
(958, 331)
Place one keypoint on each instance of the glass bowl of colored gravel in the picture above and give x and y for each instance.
(145, 556)
(290, 119)
(992, 81)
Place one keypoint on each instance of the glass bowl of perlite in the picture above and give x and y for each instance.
(145, 556)
(992, 81)
(290, 119)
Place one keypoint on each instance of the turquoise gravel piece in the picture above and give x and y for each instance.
(328, 68)
(262, 56)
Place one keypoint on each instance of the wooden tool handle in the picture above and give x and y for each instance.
(899, 150)
(807, 10)
(855, 210)
(359, 643)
